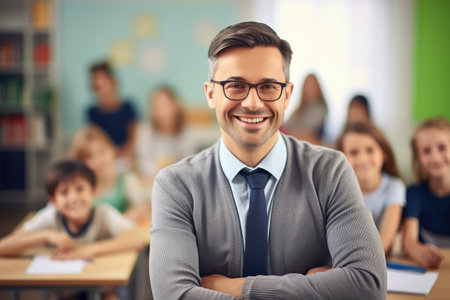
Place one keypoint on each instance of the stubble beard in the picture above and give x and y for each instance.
(251, 142)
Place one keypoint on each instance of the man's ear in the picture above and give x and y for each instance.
(288, 93)
(209, 93)
(51, 199)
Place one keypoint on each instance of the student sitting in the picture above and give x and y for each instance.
(74, 228)
(164, 138)
(426, 215)
(373, 161)
(121, 190)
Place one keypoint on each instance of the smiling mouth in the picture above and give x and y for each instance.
(251, 121)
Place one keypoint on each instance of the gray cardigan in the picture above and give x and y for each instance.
(318, 217)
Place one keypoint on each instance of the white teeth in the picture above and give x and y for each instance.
(251, 121)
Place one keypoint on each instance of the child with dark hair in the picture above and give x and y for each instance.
(373, 161)
(74, 228)
(116, 116)
(358, 110)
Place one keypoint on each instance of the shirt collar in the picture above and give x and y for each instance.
(274, 162)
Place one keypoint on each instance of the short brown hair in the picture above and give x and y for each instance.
(389, 165)
(440, 123)
(249, 35)
(66, 170)
(102, 66)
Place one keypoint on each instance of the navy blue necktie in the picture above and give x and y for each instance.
(255, 255)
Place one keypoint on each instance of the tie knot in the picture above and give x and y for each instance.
(256, 179)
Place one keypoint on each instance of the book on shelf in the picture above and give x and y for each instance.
(41, 55)
(18, 131)
(13, 130)
(11, 92)
(41, 14)
(10, 53)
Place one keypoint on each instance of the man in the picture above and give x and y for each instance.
(210, 239)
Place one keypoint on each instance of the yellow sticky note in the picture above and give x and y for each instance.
(121, 53)
(145, 26)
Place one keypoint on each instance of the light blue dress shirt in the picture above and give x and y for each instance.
(274, 163)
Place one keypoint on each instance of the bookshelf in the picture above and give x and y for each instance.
(28, 102)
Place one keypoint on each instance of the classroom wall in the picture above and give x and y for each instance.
(432, 59)
(174, 52)
(355, 47)
(151, 43)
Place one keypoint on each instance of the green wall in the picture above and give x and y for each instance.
(432, 59)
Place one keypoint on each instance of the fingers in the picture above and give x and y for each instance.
(318, 269)
(432, 257)
(61, 240)
(59, 254)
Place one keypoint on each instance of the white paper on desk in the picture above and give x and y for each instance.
(43, 264)
(410, 282)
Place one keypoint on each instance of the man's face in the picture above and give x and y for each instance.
(249, 123)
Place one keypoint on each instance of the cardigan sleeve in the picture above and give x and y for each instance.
(174, 261)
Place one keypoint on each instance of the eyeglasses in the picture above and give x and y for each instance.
(239, 90)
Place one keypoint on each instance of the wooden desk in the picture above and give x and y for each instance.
(110, 269)
(441, 288)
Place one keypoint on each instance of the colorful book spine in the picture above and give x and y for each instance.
(41, 14)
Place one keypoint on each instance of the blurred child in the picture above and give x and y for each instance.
(164, 139)
(74, 228)
(358, 110)
(427, 212)
(373, 161)
(122, 190)
(116, 117)
(307, 122)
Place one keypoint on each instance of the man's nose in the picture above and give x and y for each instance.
(252, 101)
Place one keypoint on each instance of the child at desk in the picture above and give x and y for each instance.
(427, 212)
(74, 228)
(121, 190)
(372, 159)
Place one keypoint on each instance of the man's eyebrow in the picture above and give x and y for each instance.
(238, 78)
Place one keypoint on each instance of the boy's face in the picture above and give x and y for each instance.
(73, 199)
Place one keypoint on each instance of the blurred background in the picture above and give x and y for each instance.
(393, 52)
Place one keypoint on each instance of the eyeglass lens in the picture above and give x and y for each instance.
(268, 91)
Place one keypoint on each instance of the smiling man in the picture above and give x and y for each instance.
(256, 215)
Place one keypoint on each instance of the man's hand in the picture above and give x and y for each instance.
(62, 241)
(219, 283)
(318, 269)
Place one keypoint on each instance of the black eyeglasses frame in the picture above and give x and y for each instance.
(250, 86)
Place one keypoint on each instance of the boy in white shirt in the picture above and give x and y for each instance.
(74, 228)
